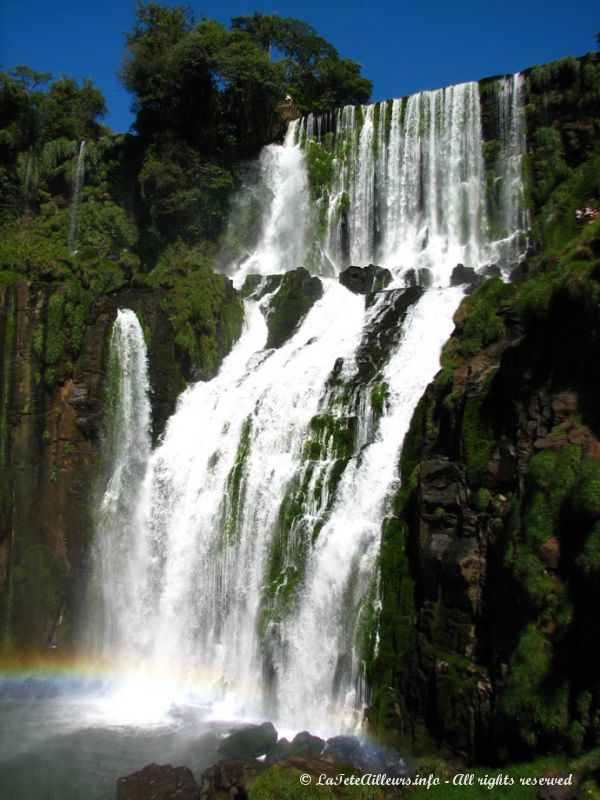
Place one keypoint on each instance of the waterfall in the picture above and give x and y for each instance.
(512, 217)
(76, 199)
(240, 554)
(119, 543)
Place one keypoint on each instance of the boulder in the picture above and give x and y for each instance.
(364, 280)
(305, 744)
(250, 742)
(158, 782)
(462, 275)
(283, 749)
(343, 749)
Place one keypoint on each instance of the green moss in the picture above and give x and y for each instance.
(277, 783)
(526, 696)
(482, 499)
(319, 162)
(298, 292)
(206, 315)
(8, 278)
(589, 560)
(478, 320)
(379, 396)
(234, 500)
(335, 437)
(477, 434)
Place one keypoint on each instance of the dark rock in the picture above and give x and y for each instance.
(298, 292)
(305, 744)
(462, 275)
(364, 280)
(250, 742)
(283, 749)
(342, 749)
(158, 782)
(491, 271)
(231, 777)
(384, 330)
(418, 277)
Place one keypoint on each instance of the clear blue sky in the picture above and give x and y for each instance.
(403, 46)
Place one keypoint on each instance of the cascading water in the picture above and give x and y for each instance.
(76, 199)
(245, 553)
(117, 579)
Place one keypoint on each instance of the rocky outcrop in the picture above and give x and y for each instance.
(364, 280)
(464, 276)
(488, 578)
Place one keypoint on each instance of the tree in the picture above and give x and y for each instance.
(313, 71)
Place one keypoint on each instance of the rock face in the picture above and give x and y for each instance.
(364, 280)
(155, 782)
(250, 742)
(55, 341)
(487, 568)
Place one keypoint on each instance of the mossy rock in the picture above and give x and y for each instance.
(298, 292)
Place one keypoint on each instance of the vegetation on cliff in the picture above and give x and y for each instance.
(490, 562)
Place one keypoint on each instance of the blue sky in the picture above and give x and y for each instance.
(403, 47)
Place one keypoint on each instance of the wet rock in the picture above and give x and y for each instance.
(250, 742)
(282, 750)
(364, 280)
(342, 749)
(305, 744)
(158, 782)
(418, 277)
(385, 330)
(462, 275)
(491, 271)
(298, 292)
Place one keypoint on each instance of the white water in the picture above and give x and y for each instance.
(76, 199)
(206, 574)
(118, 543)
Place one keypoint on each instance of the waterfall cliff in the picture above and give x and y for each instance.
(242, 550)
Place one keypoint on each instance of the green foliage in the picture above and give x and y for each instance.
(206, 315)
(548, 161)
(235, 489)
(277, 783)
(476, 430)
(478, 321)
(526, 697)
(334, 437)
(379, 397)
(296, 295)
